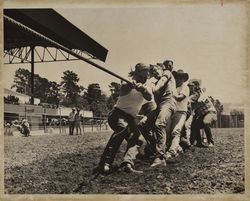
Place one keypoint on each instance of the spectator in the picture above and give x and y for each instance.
(63, 125)
(72, 121)
(78, 121)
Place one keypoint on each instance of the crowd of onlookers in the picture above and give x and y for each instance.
(23, 126)
(162, 108)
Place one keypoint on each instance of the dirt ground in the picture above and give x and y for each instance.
(62, 164)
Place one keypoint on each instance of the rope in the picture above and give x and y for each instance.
(56, 44)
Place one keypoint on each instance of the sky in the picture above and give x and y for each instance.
(208, 41)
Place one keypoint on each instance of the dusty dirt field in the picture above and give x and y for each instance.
(63, 164)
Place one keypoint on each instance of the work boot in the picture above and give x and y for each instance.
(210, 144)
(158, 162)
(105, 169)
(129, 169)
(201, 145)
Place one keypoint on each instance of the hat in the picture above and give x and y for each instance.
(161, 65)
(141, 67)
(196, 82)
(191, 84)
(180, 74)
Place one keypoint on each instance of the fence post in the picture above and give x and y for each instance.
(60, 125)
(25, 112)
(83, 125)
(45, 120)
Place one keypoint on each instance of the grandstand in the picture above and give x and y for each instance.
(36, 114)
(37, 36)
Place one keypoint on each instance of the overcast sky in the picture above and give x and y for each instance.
(208, 41)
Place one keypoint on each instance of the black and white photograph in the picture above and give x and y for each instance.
(131, 98)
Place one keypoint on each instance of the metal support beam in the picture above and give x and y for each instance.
(32, 75)
(41, 55)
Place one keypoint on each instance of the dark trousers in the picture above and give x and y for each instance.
(71, 127)
(196, 125)
(124, 127)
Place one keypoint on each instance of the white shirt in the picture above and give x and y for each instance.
(150, 84)
(182, 105)
(130, 103)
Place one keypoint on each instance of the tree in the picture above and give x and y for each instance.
(94, 93)
(96, 100)
(217, 104)
(70, 87)
(45, 90)
(110, 102)
(115, 90)
(41, 88)
(53, 95)
(22, 81)
(99, 107)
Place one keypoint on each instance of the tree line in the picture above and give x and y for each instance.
(68, 92)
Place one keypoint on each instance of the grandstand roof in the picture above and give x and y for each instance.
(14, 93)
(50, 24)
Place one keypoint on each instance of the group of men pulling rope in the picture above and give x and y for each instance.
(160, 107)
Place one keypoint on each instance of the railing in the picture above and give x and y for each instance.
(46, 125)
(229, 121)
(54, 125)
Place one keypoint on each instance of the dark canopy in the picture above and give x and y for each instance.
(52, 25)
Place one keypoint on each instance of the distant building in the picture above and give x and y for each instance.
(16, 107)
(22, 98)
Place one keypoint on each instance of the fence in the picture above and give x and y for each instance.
(230, 121)
(86, 125)
(52, 124)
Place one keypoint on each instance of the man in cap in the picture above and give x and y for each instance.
(72, 121)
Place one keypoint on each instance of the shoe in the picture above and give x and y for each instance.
(179, 151)
(129, 169)
(210, 144)
(106, 168)
(158, 162)
(170, 158)
(185, 144)
(200, 145)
